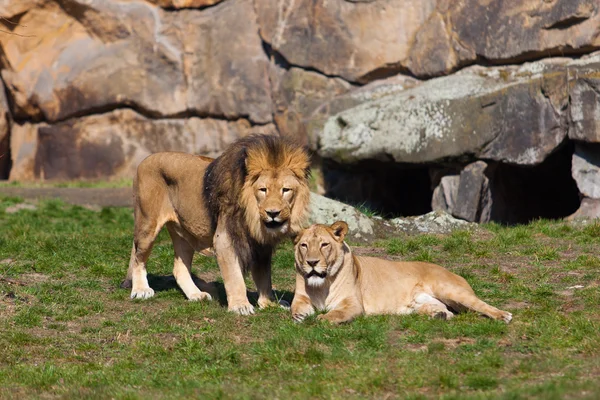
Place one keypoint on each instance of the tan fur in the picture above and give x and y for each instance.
(330, 278)
(241, 204)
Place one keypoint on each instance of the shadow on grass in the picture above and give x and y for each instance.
(216, 289)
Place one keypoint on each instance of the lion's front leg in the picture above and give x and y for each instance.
(231, 271)
(261, 274)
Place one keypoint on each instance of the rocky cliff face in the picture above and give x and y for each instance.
(407, 96)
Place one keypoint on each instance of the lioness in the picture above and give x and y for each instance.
(243, 203)
(329, 277)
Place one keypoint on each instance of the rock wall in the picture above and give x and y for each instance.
(426, 88)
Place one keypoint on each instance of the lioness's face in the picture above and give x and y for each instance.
(319, 252)
(275, 192)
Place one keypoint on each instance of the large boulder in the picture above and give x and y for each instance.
(586, 172)
(296, 94)
(515, 115)
(365, 40)
(354, 40)
(76, 57)
(113, 144)
(584, 95)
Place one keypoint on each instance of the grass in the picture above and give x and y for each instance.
(69, 331)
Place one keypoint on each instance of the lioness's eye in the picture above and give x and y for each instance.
(303, 245)
(264, 190)
(285, 190)
(324, 244)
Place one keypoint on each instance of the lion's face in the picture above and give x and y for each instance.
(275, 193)
(319, 252)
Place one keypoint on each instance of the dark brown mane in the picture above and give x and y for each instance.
(224, 181)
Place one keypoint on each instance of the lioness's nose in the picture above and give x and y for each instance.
(312, 263)
(272, 214)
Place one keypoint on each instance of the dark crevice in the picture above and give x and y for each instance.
(201, 8)
(385, 72)
(282, 62)
(515, 61)
(566, 23)
(146, 113)
(5, 154)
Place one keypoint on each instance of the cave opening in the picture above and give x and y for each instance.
(522, 194)
(518, 194)
(386, 189)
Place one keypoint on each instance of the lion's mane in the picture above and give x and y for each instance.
(228, 191)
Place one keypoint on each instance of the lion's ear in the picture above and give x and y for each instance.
(339, 228)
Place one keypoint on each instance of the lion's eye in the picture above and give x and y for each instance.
(304, 245)
(264, 190)
(285, 190)
(324, 245)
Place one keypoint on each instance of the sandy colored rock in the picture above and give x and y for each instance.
(362, 41)
(297, 94)
(113, 144)
(355, 40)
(92, 56)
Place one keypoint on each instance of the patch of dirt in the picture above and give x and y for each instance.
(370, 251)
(18, 207)
(516, 305)
(102, 197)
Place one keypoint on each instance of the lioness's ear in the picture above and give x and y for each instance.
(339, 228)
(296, 238)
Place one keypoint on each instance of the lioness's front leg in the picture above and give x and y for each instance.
(231, 271)
(301, 305)
(345, 311)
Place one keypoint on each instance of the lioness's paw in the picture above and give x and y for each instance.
(200, 296)
(143, 293)
(242, 309)
(445, 315)
(334, 319)
(506, 317)
(299, 317)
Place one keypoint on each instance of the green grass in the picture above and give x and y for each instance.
(69, 331)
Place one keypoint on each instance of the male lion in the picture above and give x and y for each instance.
(329, 277)
(243, 203)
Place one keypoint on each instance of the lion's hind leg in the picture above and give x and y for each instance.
(182, 266)
(145, 234)
(426, 304)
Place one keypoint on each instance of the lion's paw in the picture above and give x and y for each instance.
(143, 293)
(242, 309)
(284, 304)
(200, 296)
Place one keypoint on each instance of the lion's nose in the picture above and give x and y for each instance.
(312, 263)
(273, 214)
